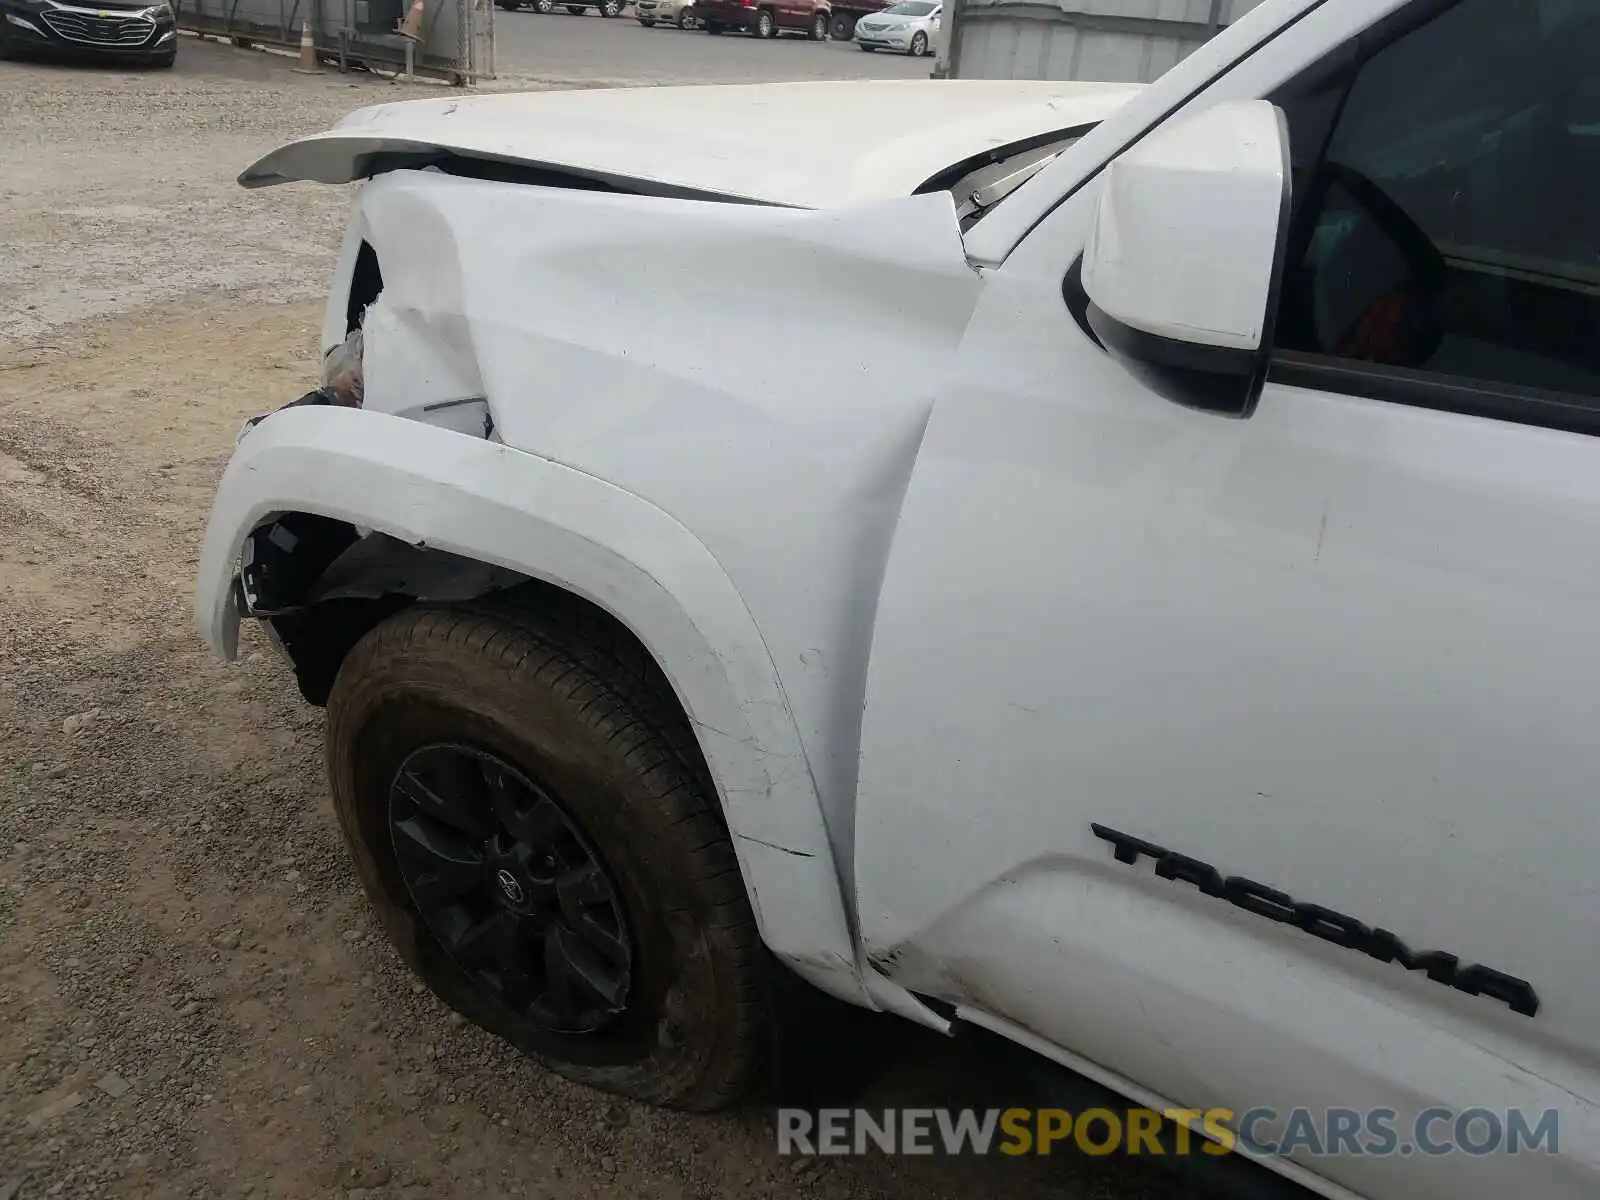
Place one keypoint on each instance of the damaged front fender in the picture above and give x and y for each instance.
(516, 512)
(319, 586)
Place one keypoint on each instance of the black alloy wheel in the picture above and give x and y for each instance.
(530, 817)
(510, 886)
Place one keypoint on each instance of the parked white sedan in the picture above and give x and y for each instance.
(666, 12)
(908, 27)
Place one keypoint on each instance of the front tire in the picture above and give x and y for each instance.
(544, 7)
(844, 27)
(611, 8)
(471, 747)
(919, 44)
(766, 26)
(819, 28)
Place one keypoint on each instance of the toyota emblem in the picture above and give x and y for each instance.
(509, 886)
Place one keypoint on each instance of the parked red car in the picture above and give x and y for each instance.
(767, 18)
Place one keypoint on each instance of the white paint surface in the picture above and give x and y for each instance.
(476, 498)
(1186, 229)
(940, 584)
(809, 145)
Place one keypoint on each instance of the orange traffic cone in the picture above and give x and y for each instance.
(308, 52)
(411, 27)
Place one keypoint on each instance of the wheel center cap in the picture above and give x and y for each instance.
(510, 888)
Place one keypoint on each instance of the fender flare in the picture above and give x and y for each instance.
(512, 509)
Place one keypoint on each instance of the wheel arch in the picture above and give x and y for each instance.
(382, 512)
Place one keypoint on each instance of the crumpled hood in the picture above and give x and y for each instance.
(807, 145)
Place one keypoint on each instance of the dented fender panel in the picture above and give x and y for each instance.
(762, 374)
(518, 511)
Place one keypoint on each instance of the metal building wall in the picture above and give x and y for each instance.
(1128, 41)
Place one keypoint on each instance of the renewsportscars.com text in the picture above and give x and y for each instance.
(1257, 1132)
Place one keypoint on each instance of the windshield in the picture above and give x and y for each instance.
(911, 8)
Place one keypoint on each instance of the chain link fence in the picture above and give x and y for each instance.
(455, 42)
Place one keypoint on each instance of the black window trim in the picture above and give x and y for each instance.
(1564, 411)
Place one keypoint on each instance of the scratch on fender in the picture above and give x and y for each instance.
(745, 837)
(752, 742)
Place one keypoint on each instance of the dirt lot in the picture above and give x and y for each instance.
(194, 1000)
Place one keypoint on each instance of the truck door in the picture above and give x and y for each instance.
(1253, 763)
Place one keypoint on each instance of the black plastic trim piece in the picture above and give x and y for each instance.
(1072, 291)
(1210, 378)
(1441, 393)
(318, 639)
(1170, 352)
(287, 556)
(366, 283)
(379, 565)
(1280, 266)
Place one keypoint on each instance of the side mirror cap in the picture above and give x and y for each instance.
(1183, 262)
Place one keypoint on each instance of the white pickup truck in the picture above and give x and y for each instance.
(1115, 567)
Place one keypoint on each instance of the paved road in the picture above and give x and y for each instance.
(566, 48)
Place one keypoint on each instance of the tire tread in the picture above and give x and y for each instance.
(611, 690)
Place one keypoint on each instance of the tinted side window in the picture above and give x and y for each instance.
(1449, 211)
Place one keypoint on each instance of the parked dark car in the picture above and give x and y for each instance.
(766, 18)
(847, 12)
(124, 30)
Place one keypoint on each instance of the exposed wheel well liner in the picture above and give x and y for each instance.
(323, 586)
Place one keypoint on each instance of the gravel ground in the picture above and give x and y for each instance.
(117, 187)
(194, 999)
